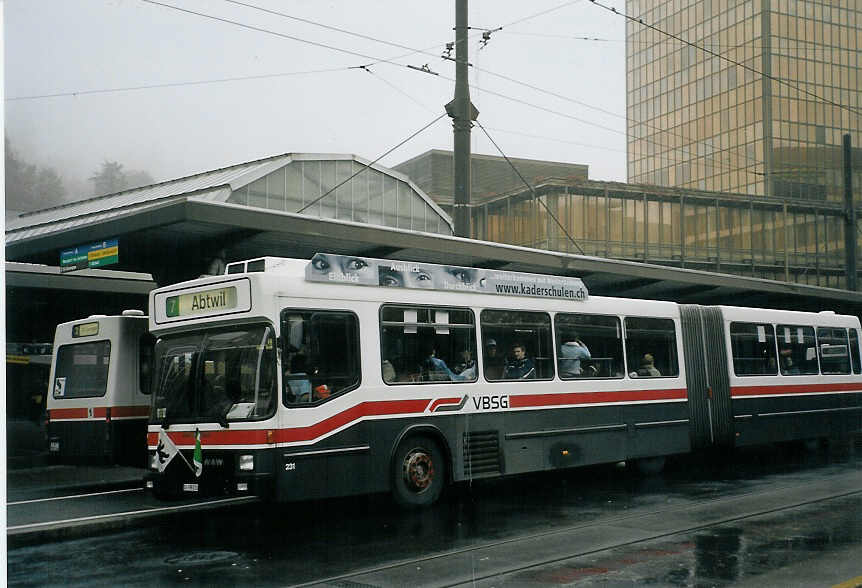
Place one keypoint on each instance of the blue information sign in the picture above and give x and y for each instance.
(93, 255)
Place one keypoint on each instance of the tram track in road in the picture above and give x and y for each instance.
(74, 496)
(480, 564)
(96, 512)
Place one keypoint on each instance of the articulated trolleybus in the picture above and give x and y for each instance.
(98, 393)
(294, 379)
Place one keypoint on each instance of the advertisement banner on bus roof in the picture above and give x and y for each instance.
(347, 269)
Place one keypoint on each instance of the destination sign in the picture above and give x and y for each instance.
(206, 302)
(85, 329)
(88, 256)
(201, 301)
(325, 267)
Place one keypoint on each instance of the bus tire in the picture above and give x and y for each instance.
(418, 472)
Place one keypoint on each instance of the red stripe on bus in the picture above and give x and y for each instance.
(99, 412)
(259, 436)
(531, 400)
(440, 401)
(67, 413)
(130, 411)
(795, 389)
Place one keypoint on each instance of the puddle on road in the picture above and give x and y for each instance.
(720, 556)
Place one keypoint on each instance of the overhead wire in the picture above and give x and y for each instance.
(381, 60)
(726, 165)
(412, 51)
(261, 30)
(718, 161)
(747, 44)
(501, 76)
(175, 84)
(537, 14)
(532, 190)
(396, 88)
(684, 151)
(546, 138)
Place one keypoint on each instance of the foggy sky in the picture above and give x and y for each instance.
(54, 46)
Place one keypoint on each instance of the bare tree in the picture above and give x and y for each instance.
(28, 186)
(113, 178)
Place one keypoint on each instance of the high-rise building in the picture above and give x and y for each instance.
(758, 102)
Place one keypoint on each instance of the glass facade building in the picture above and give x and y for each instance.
(784, 239)
(766, 121)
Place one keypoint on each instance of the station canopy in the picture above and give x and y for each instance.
(324, 186)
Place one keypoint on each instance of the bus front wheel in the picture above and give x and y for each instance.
(419, 472)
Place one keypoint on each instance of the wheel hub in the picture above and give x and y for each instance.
(418, 471)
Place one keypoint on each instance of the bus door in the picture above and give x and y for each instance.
(320, 363)
(707, 379)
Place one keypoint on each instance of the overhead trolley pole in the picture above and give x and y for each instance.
(463, 113)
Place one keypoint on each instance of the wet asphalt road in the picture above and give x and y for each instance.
(292, 544)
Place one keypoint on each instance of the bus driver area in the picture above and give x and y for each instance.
(419, 375)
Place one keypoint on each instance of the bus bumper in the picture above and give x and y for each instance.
(178, 481)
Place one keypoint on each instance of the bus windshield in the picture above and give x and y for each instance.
(217, 375)
(82, 370)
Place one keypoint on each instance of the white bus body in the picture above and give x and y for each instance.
(330, 398)
(98, 397)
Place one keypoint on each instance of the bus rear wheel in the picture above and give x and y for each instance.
(419, 472)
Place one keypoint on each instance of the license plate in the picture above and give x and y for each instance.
(54, 446)
(190, 487)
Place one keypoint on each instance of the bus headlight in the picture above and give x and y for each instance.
(246, 463)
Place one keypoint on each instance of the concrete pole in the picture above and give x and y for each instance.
(462, 113)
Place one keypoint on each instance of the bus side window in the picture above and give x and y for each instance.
(427, 344)
(320, 355)
(651, 347)
(753, 349)
(854, 351)
(601, 339)
(796, 346)
(832, 346)
(511, 330)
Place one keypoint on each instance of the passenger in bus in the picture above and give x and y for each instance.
(788, 368)
(519, 366)
(647, 367)
(466, 368)
(435, 369)
(571, 354)
(388, 371)
(494, 362)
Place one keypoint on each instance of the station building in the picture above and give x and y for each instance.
(790, 238)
